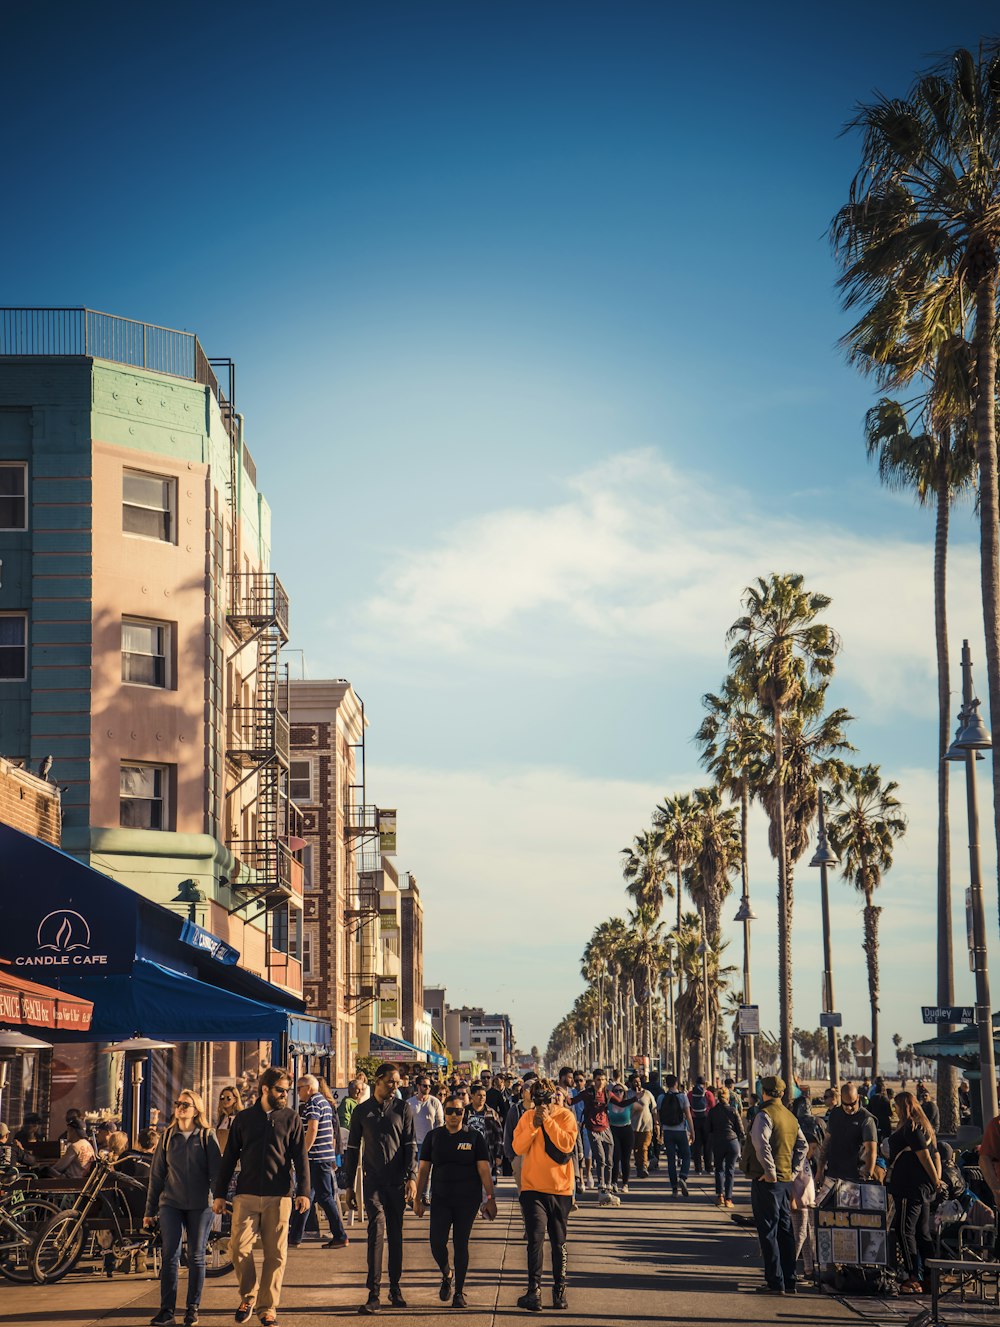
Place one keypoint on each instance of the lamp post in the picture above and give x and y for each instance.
(746, 915)
(704, 950)
(135, 1050)
(670, 976)
(824, 857)
(973, 736)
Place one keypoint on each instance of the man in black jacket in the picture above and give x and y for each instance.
(386, 1126)
(267, 1141)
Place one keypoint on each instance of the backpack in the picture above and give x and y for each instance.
(698, 1101)
(671, 1111)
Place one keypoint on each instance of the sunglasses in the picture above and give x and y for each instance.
(280, 1091)
(454, 1110)
(181, 1105)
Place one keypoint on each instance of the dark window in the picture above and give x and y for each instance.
(145, 650)
(13, 495)
(300, 782)
(149, 504)
(13, 647)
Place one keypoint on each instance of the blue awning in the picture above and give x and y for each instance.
(156, 1001)
(405, 1050)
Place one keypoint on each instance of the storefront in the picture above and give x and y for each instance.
(147, 971)
(395, 1048)
(30, 1008)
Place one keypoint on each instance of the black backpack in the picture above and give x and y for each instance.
(671, 1111)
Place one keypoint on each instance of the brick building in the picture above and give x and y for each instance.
(29, 803)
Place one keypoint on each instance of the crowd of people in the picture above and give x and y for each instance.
(439, 1147)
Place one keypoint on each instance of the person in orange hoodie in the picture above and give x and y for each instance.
(545, 1138)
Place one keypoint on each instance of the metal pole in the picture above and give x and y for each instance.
(673, 1018)
(751, 1061)
(984, 1013)
(828, 1006)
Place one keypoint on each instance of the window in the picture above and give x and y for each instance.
(144, 796)
(308, 879)
(149, 505)
(300, 782)
(286, 930)
(13, 495)
(145, 652)
(13, 647)
(309, 952)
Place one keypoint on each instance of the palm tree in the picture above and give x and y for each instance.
(865, 823)
(720, 851)
(606, 948)
(927, 448)
(645, 870)
(778, 645)
(645, 953)
(676, 820)
(918, 241)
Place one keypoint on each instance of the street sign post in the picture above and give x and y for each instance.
(749, 1020)
(831, 1020)
(954, 1013)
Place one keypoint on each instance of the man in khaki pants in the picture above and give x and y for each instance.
(266, 1140)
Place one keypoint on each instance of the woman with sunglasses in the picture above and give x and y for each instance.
(180, 1178)
(230, 1105)
(460, 1161)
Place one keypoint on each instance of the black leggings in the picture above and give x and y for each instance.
(624, 1136)
(452, 1215)
(545, 1212)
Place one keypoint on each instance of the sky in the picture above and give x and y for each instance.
(535, 324)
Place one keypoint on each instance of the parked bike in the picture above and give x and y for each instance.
(23, 1214)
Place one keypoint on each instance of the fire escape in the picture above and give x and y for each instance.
(361, 913)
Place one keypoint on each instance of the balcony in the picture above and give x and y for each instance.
(264, 867)
(256, 733)
(257, 599)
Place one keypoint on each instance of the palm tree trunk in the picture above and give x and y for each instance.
(989, 506)
(784, 915)
(947, 1076)
(871, 957)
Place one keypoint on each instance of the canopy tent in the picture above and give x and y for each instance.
(28, 1004)
(405, 1050)
(960, 1048)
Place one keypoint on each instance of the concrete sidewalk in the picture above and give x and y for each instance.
(653, 1260)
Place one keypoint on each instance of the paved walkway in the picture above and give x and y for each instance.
(653, 1260)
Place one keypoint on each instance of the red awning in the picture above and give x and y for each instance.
(26, 1004)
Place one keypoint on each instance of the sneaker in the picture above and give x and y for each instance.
(719, 1200)
(191, 1318)
(337, 1243)
(623, 1189)
(163, 1319)
(444, 1294)
(684, 1188)
(459, 1301)
(371, 1305)
(674, 1191)
(396, 1298)
(531, 1300)
(765, 1289)
(559, 1297)
(244, 1312)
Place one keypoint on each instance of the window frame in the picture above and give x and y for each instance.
(165, 799)
(301, 760)
(23, 467)
(167, 629)
(22, 616)
(170, 509)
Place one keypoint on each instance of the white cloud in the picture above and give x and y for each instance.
(642, 562)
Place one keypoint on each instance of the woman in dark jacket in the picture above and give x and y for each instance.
(913, 1180)
(180, 1178)
(726, 1132)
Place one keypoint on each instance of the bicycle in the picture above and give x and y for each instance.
(22, 1217)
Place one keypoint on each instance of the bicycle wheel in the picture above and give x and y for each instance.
(218, 1258)
(59, 1246)
(31, 1215)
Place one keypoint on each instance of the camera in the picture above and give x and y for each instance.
(542, 1094)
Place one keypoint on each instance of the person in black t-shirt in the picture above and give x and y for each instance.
(914, 1179)
(460, 1160)
(852, 1140)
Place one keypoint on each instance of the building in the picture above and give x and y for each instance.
(436, 1009)
(416, 1026)
(141, 625)
(473, 1034)
(29, 803)
(328, 724)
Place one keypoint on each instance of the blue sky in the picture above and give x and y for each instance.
(535, 327)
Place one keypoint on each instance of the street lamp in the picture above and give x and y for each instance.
(670, 976)
(135, 1049)
(746, 915)
(824, 857)
(973, 736)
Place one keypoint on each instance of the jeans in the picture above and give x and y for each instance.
(454, 1217)
(602, 1148)
(384, 1209)
(324, 1198)
(726, 1152)
(624, 1141)
(545, 1211)
(911, 1227)
(676, 1144)
(771, 1205)
(197, 1223)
